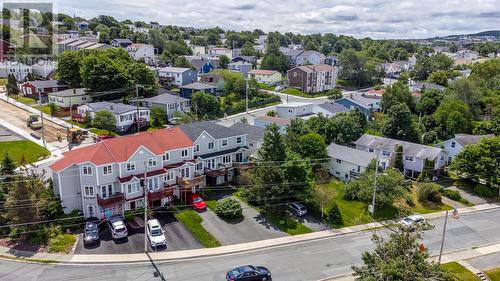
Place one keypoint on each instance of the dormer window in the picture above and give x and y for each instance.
(166, 156)
(224, 142)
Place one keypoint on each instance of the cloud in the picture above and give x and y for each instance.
(359, 18)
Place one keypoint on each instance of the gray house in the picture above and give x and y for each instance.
(240, 66)
(177, 76)
(413, 156)
(255, 136)
(217, 147)
(170, 101)
(105, 178)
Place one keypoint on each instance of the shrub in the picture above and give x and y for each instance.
(334, 216)
(485, 191)
(228, 208)
(409, 199)
(452, 194)
(131, 214)
(428, 192)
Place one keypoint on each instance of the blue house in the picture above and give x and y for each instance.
(187, 91)
(353, 104)
(203, 65)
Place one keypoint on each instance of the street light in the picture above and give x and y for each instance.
(372, 208)
(145, 207)
(455, 216)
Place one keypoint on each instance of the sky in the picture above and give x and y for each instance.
(379, 19)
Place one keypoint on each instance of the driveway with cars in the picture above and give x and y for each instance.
(178, 238)
(252, 227)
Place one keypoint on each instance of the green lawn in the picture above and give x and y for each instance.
(459, 272)
(81, 125)
(299, 93)
(266, 87)
(31, 151)
(192, 221)
(62, 243)
(102, 132)
(43, 108)
(25, 100)
(493, 274)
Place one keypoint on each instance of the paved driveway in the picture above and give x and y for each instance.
(178, 238)
(252, 227)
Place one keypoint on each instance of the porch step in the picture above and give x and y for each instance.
(482, 276)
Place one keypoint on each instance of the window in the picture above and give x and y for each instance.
(87, 170)
(130, 166)
(185, 172)
(169, 176)
(153, 183)
(238, 140)
(133, 187)
(224, 142)
(370, 149)
(184, 153)
(199, 166)
(166, 156)
(290, 111)
(339, 161)
(107, 170)
(88, 191)
(197, 148)
(152, 162)
(107, 191)
(171, 106)
(226, 159)
(386, 153)
(442, 157)
(210, 145)
(408, 158)
(453, 144)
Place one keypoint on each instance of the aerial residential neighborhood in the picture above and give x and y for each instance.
(250, 141)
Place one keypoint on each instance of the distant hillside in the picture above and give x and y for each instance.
(495, 33)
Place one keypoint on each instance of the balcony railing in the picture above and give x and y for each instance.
(185, 182)
(115, 199)
(220, 170)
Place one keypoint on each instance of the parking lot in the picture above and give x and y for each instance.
(178, 238)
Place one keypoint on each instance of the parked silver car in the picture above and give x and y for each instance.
(117, 227)
(297, 209)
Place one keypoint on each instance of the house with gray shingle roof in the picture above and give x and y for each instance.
(255, 135)
(455, 145)
(348, 163)
(413, 156)
(170, 101)
(330, 108)
(218, 147)
(177, 76)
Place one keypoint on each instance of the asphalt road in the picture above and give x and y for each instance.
(310, 260)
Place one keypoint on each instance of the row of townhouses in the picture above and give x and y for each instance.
(106, 178)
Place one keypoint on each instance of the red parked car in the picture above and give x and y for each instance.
(197, 202)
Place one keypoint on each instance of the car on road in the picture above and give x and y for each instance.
(156, 235)
(197, 202)
(117, 227)
(91, 233)
(297, 209)
(249, 272)
(412, 221)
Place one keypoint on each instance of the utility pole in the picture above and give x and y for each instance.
(246, 96)
(442, 238)
(145, 207)
(375, 184)
(43, 130)
(71, 106)
(137, 105)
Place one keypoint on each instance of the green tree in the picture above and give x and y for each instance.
(439, 77)
(395, 94)
(8, 166)
(104, 120)
(68, 68)
(399, 124)
(12, 86)
(399, 258)
(389, 188)
(273, 147)
(224, 61)
(174, 49)
(398, 163)
(140, 74)
(105, 70)
(453, 116)
(274, 59)
(466, 91)
(334, 94)
(480, 161)
(157, 116)
(248, 50)
(313, 147)
(429, 101)
(182, 62)
(426, 65)
(298, 175)
(358, 69)
(205, 105)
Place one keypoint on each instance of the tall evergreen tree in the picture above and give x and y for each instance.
(273, 146)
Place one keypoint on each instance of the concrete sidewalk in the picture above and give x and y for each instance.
(238, 248)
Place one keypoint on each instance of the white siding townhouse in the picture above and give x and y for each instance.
(455, 145)
(142, 51)
(107, 178)
(294, 109)
(125, 115)
(217, 147)
(413, 157)
(349, 163)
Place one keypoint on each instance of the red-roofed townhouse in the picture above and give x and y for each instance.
(105, 178)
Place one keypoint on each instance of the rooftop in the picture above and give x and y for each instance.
(262, 72)
(194, 130)
(116, 108)
(254, 133)
(174, 69)
(120, 149)
(313, 68)
(199, 86)
(465, 139)
(414, 149)
(47, 83)
(294, 104)
(352, 155)
(68, 93)
(333, 107)
(165, 98)
(276, 120)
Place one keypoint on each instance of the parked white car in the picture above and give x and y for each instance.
(412, 221)
(156, 235)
